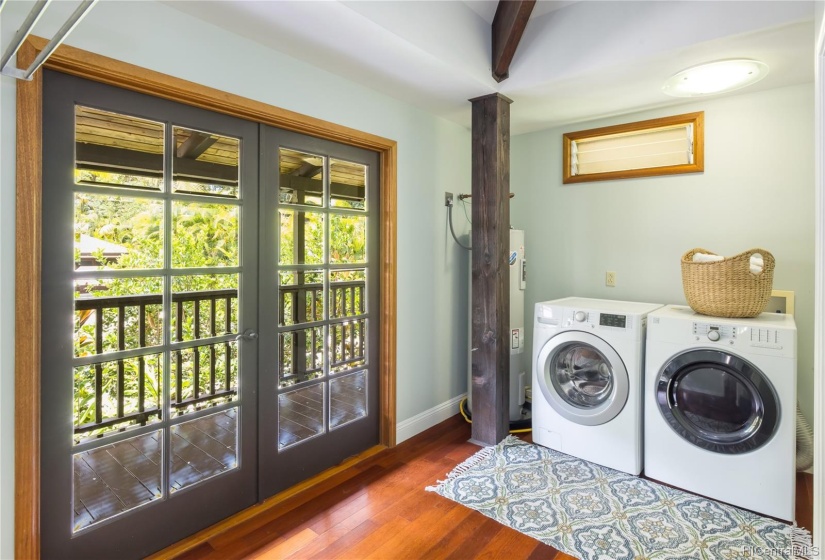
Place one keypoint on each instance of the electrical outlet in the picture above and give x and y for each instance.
(448, 199)
(610, 279)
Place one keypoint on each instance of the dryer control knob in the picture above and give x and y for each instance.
(713, 336)
(580, 316)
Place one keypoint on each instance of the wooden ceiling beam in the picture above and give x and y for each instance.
(508, 27)
(195, 145)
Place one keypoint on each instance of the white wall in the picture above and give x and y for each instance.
(757, 191)
(433, 157)
(6, 316)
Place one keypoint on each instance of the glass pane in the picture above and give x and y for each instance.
(718, 403)
(112, 396)
(203, 448)
(204, 235)
(348, 345)
(116, 478)
(117, 314)
(347, 293)
(348, 184)
(301, 237)
(581, 375)
(117, 232)
(347, 239)
(205, 163)
(300, 415)
(204, 376)
(118, 150)
(301, 355)
(347, 398)
(204, 306)
(301, 178)
(301, 297)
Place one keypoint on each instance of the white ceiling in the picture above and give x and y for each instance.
(576, 61)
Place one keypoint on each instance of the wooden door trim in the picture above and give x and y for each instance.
(98, 68)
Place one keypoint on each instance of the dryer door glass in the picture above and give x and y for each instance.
(581, 375)
(718, 401)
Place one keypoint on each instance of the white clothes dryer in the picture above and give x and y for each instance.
(587, 379)
(720, 407)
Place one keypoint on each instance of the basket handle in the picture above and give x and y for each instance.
(767, 260)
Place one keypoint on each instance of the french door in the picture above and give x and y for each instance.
(207, 327)
(319, 294)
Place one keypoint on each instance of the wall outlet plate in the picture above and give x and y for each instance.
(448, 199)
(610, 279)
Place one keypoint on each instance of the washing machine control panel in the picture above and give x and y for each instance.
(612, 320)
(596, 320)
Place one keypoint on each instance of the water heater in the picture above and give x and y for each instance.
(518, 373)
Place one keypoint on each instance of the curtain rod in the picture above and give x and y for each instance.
(28, 24)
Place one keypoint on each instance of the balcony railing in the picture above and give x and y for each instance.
(205, 315)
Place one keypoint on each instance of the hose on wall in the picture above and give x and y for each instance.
(804, 442)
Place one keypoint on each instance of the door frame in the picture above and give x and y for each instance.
(29, 186)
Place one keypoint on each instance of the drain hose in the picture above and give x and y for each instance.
(804, 442)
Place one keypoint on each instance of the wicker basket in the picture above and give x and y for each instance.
(727, 288)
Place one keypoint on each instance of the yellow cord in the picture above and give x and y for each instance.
(469, 421)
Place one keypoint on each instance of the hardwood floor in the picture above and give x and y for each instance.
(382, 512)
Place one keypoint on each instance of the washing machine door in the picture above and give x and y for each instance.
(582, 377)
(718, 401)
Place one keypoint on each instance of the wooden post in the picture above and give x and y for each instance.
(491, 274)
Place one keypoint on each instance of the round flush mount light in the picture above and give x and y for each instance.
(715, 77)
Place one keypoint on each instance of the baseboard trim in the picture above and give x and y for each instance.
(413, 426)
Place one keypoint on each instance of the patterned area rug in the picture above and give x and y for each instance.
(596, 513)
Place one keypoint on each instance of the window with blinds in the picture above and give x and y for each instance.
(663, 146)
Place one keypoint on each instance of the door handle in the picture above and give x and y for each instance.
(248, 334)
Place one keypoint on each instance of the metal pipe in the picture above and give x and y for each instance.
(29, 23)
(23, 32)
(59, 37)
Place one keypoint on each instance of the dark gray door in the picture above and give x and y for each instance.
(150, 246)
(318, 374)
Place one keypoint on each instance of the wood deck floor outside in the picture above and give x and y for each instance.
(381, 511)
(116, 478)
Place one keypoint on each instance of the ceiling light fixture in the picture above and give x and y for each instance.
(710, 78)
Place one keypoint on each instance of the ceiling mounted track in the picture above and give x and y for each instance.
(22, 33)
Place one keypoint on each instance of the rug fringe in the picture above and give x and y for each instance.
(477, 457)
(801, 543)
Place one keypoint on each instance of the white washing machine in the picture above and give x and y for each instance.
(720, 402)
(587, 379)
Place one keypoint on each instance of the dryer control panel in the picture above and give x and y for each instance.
(770, 339)
(714, 333)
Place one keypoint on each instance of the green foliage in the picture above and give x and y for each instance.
(205, 234)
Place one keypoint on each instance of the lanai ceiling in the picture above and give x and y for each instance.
(576, 61)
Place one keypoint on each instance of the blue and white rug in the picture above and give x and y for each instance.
(595, 513)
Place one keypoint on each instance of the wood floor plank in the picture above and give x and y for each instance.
(422, 542)
(804, 500)
(484, 531)
(370, 542)
(285, 548)
(508, 544)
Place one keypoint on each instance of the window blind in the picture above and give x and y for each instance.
(642, 149)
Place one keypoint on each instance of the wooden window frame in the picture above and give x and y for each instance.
(29, 186)
(696, 119)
